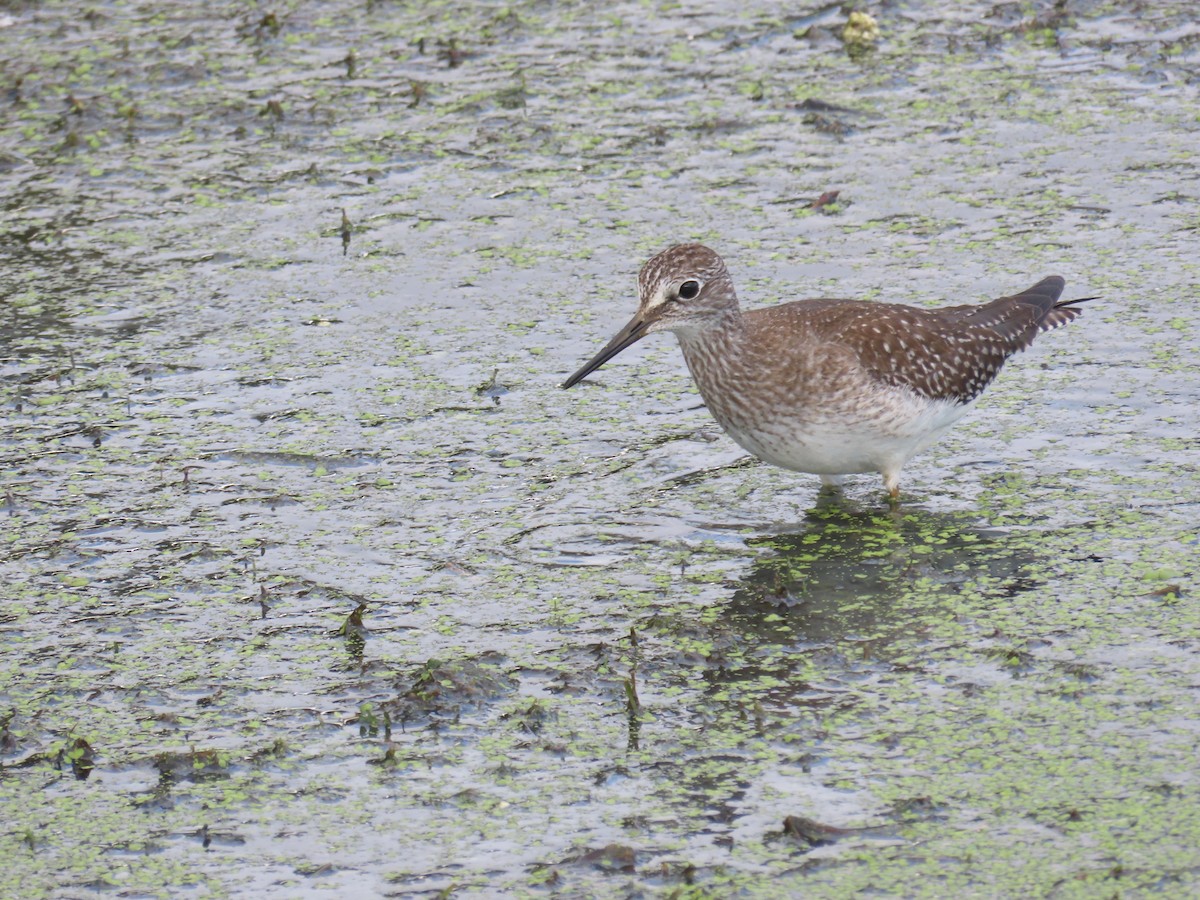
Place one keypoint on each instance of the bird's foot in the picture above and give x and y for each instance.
(891, 481)
(832, 483)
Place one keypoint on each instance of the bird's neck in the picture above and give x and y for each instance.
(712, 343)
(715, 353)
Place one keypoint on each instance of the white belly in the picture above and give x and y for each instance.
(838, 447)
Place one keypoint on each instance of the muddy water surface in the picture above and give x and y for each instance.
(315, 584)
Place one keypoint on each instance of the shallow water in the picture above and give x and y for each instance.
(317, 585)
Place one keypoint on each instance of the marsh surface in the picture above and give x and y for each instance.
(315, 583)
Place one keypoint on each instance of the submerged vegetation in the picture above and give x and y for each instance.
(315, 582)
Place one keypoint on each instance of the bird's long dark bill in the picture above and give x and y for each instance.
(633, 332)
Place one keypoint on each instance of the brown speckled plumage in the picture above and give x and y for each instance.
(831, 386)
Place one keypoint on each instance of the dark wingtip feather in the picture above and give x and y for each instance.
(1049, 288)
(1063, 303)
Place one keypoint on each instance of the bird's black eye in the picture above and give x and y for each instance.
(688, 290)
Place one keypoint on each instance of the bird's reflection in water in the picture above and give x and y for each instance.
(864, 578)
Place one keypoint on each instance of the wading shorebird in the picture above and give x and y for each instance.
(831, 387)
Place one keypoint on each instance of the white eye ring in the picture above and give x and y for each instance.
(689, 290)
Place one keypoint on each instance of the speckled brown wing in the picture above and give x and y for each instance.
(952, 353)
(1011, 315)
